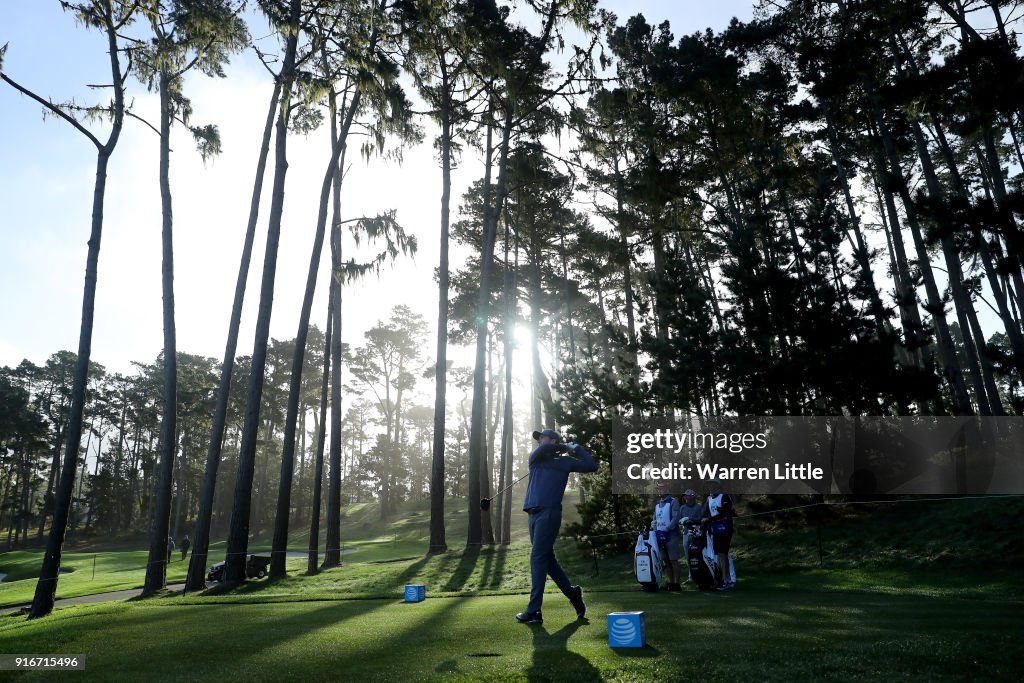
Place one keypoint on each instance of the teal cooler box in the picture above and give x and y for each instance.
(626, 629)
(415, 593)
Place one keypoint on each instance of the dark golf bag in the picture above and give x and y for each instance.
(702, 569)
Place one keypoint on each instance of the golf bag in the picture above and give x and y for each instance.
(709, 552)
(647, 562)
(703, 563)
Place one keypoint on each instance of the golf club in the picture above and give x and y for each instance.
(485, 503)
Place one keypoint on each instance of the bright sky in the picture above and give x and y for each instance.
(46, 194)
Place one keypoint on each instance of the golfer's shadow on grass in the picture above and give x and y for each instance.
(552, 658)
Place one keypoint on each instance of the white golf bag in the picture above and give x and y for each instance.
(712, 560)
(647, 561)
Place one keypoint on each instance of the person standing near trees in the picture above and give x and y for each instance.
(185, 545)
(689, 511)
(667, 514)
(549, 473)
(718, 514)
(170, 548)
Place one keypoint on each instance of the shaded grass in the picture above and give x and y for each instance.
(922, 591)
(503, 571)
(769, 634)
(366, 536)
(920, 535)
(967, 546)
(493, 569)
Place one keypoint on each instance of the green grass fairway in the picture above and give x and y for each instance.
(114, 571)
(760, 633)
(921, 591)
(365, 536)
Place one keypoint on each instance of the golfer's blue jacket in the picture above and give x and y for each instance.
(549, 473)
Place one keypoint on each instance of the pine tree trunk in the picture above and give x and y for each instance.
(156, 568)
(542, 413)
(301, 452)
(661, 307)
(196, 579)
(486, 474)
(6, 504)
(438, 544)
(1012, 330)
(258, 516)
(951, 364)
(26, 499)
(568, 302)
(1014, 241)
(179, 488)
(279, 550)
(46, 587)
(490, 227)
(505, 517)
(332, 541)
(961, 301)
(860, 248)
(321, 434)
(905, 292)
(627, 286)
(238, 534)
(979, 365)
(88, 516)
(80, 482)
(52, 481)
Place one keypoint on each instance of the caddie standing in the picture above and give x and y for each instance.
(690, 513)
(717, 514)
(667, 513)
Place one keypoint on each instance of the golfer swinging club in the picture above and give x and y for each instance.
(549, 472)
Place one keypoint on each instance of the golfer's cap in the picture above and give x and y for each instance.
(549, 433)
(689, 492)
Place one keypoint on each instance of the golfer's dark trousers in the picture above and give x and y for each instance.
(544, 526)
